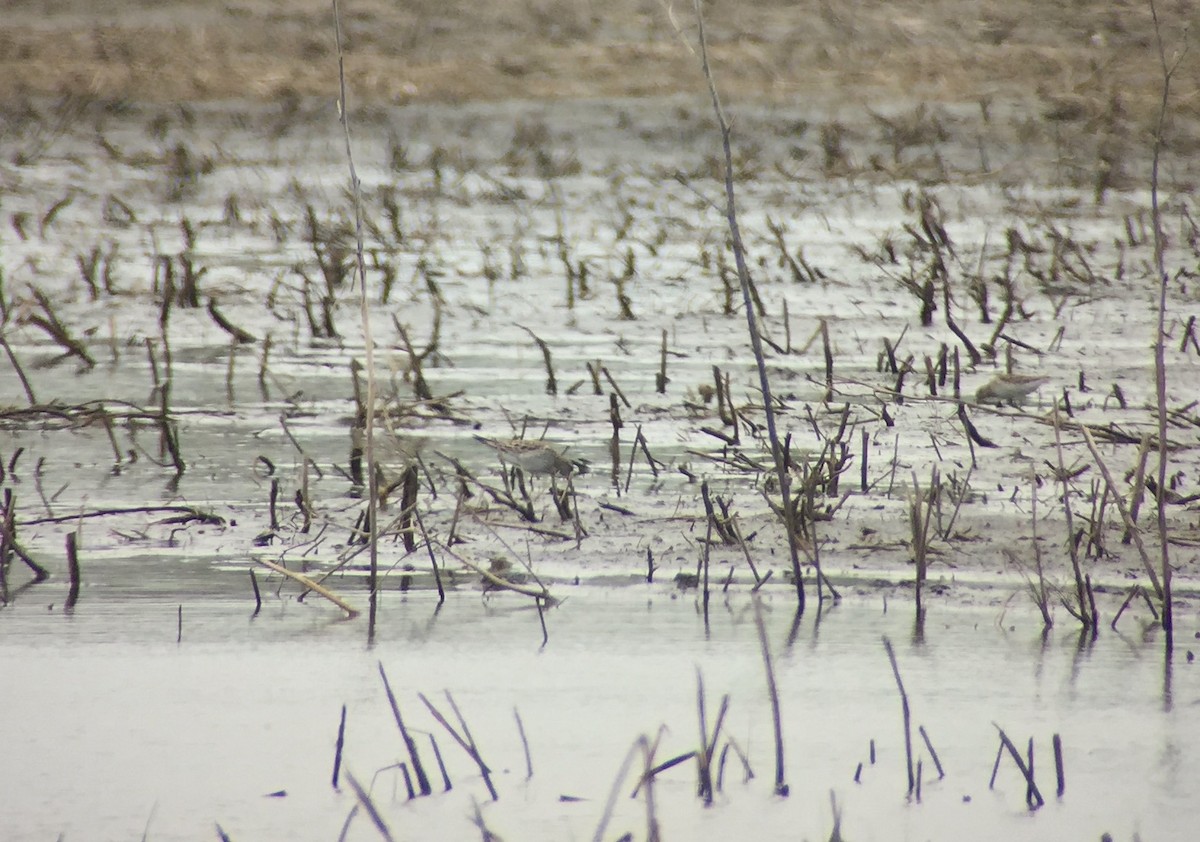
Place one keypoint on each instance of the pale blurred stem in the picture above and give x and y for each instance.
(1122, 508)
(1072, 547)
(1160, 364)
(739, 257)
(368, 342)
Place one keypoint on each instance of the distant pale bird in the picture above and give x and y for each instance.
(534, 457)
(1011, 389)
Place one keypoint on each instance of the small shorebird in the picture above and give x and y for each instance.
(1011, 389)
(535, 457)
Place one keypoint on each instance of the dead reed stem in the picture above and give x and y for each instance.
(908, 752)
(437, 570)
(649, 750)
(368, 341)
(437, 755)
(614, 443)
(1059, 774)
(1033, 796)
(25, 384)
(72, 570)
(524, 745)
(337, 751)
(409, 743)
(932, 751)
(920, 516)
(743, 271)
(8, 532)
(365, 800)
(1040, 594)
(465, 740)
(1160, 339)
(708, 743)
(351, 612)
(661, 380)
(611, 802)
(781, 787)
(1080, 592)
(1121, 507)
(257, 592)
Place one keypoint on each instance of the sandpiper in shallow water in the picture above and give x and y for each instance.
(534, 457)
(1010, 388)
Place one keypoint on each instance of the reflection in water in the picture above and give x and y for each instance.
(254, 707)
(1168, 667)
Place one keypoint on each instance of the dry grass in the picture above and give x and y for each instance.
(1071, 60)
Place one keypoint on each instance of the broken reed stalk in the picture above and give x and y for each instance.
(908, 752)
(263, 368)
(828, 352)
(1033, 797)
(708, 743)
(437, 570)
(920, 515)
(57, 330)
(337, 751)
(25, 384)
(709, 520)
(661, 380)
(8, 531)
(1080, 591)
(1160, 339)
(611, 802)
(1059, 774)
(464, 740)
(351, 612)
(932, 751)
(168, 433)
(648, 751)
(72, 570)
(1121, 507)
(743, 271)
(365, 800)
(524, 745)
(409, 743)
(410, 484)
(437, 755)
(781, 787)
(1138, 491)
(862, 480)
(1040, 594)
(551, 383)
(257, 593)
(614, 444)
(368, 341)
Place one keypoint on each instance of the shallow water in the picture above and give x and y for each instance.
(112, 727)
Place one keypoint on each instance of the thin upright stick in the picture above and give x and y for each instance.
(739, 256)
(1160, 364)
(337, 752)
(908, 752)
(524, 744)
(368, 342)
(781, 787)
(409, 743)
